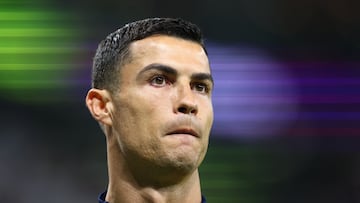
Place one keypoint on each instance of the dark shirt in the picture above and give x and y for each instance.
(103, 195)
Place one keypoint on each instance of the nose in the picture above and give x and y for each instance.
(186, 102)
(188, 109)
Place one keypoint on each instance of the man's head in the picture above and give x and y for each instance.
(152, 94)
(113, 52)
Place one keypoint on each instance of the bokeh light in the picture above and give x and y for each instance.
(37, 46)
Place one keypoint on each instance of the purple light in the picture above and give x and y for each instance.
(253, 94)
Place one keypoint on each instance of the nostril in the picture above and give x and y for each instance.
(193, 111)
(187, 109)
(182, 110)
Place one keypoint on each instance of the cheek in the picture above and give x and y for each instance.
(138, 102)
(156, 102)
(208, 113)
(141, 111)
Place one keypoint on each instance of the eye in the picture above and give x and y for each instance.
(200, 87)
(158, 81)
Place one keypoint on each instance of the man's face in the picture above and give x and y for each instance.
(163, 111)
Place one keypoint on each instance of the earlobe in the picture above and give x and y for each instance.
(99, 104)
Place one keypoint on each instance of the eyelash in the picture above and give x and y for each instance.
(164, 78)
(202, 85)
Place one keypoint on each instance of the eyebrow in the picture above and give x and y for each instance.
(171, 71)
(202, 76)
(159, 67)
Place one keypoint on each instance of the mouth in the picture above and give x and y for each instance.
(184, 131)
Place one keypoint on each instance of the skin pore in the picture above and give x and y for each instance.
(158, 123)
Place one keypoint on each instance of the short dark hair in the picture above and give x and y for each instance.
(113, 51)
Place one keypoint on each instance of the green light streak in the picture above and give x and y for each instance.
(34, 32)
(36, 51)
(23, 67)
(26, 15)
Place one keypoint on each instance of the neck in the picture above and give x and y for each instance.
(148, 184)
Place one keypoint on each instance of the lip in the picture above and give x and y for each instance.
(185, 131)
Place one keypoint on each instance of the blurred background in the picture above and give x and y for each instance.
(286, 99)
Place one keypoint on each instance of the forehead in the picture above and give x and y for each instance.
(171, 51)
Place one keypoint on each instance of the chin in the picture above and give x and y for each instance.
(185, 164)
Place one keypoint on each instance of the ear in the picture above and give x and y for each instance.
(100, 105)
